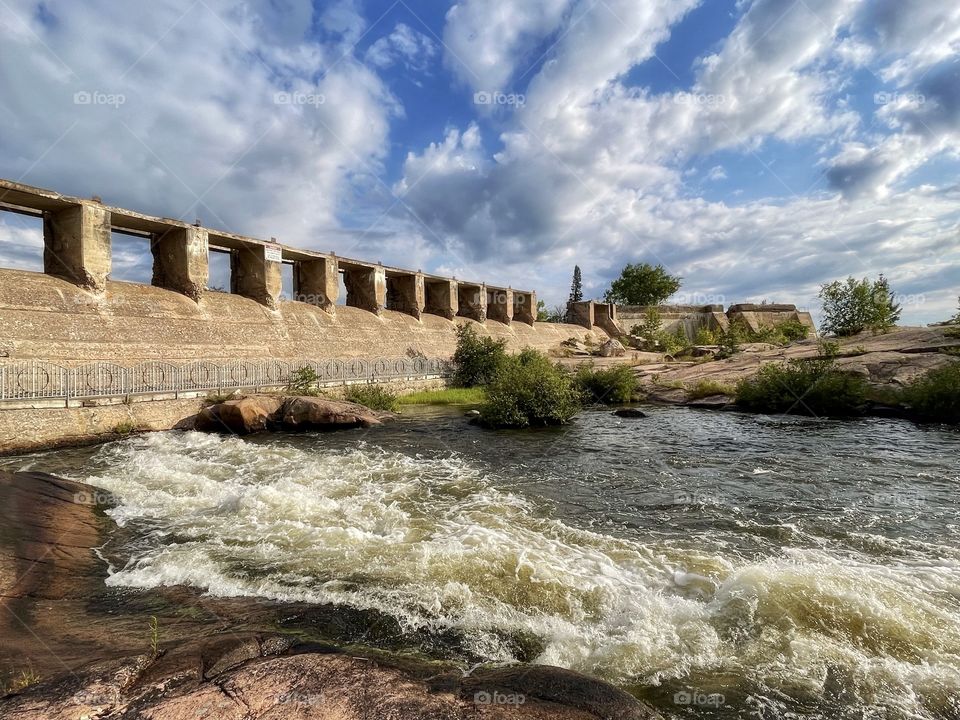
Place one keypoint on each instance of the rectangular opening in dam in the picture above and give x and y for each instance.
(221, 263)
(21, 240)
(288, 282)
(131, 257)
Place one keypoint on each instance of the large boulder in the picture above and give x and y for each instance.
(612, 348)
(312, 413)
(244, 416)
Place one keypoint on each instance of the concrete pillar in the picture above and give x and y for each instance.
(318, 283)
(181, 261)
(525, 307)
(256, 277)
(472, 302)
(366, 288)
(581, 313)
(77, 245)
(605, 316)
(405, 293)
(500, 305)
(440, 298)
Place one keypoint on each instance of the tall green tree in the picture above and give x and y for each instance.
(642, 284)
(576, 287)
(852, 306)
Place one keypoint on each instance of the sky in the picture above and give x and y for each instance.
(757, 148)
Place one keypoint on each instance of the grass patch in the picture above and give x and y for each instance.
(708, 388)
(935, 395)
(374, 397)
(126, 427)
(448, 396)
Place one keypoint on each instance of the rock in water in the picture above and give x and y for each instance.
(612, 348)
(244, 416)
(310, 413)
(629, 413)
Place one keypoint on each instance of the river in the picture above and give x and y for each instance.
(717, 565)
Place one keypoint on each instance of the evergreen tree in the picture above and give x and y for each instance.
(576, 287)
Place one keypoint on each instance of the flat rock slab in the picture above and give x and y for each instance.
(246, 676)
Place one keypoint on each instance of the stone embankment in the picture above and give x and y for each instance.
(890, 360)
(73, 648)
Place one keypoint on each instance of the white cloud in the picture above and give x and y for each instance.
(219, 120)
(405, 45)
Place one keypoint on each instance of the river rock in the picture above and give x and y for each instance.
(312, 413)
(612, 348)
(630, 413)
(244, 416)
(247, 676)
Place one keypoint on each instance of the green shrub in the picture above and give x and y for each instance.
(853, 306)
(476, 359)
(528, 390)
(793, 330)
(935, 395)
(729, 342)
(803, 387)
(706, 336)
(375, 397)
(304, 381)
(610, 387)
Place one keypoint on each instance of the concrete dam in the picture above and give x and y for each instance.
(71, 337)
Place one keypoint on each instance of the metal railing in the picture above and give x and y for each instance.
(40, 380)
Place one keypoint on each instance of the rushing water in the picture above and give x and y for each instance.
(718, 565)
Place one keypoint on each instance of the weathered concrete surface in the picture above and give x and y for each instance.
(255, 277)
(33, 429)
(441, 298)
(77, 245)
(318, 283)
(180, 261)
(472, 302)
(500, 305)
(525, 307)
(366, 287)
(406, 294)
(51, 319)
(690, 318)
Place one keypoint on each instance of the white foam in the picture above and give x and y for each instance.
(436, 544)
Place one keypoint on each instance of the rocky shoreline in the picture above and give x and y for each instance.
(887, 362)
(75, 648)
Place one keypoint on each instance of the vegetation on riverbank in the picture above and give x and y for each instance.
(447, 396)
(935, 395)
(375, 397)
(528, 390)
(610, 386)
(803, 387)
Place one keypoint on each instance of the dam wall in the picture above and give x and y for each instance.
(48, 318)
